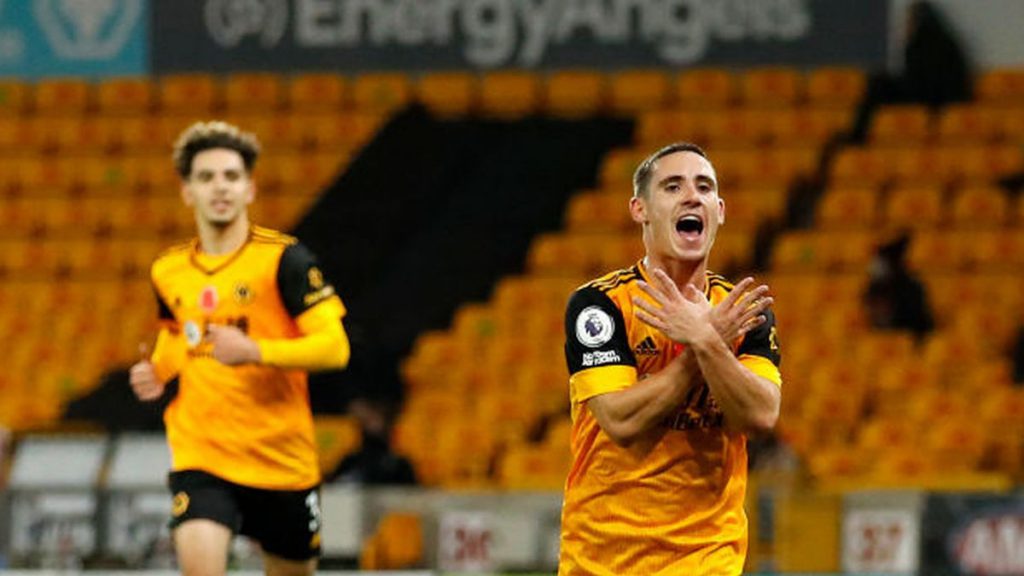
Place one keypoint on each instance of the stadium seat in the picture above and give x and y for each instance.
(634, 91)
(15, 97)
(704, 88)
(774, 87)
(836, 87)
(316, 91)
(253, 92)
(855, 166)
(509, 94)
(62, 96)
(598, 212)
(656, 128)
(749, 207)
(958, 123)
(913, 207)
(1000, 86)
(125, 96)
(995, 250)
(617, 168)
(341, 130)
(448, 94)
(195, 94)
(980, 206)
(574, 93)
(848, 207)
(738, 128)
(937, 251)
(809, 125)
(382, 92)
(901, 124)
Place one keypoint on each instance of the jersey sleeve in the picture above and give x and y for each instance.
(301, 283)
(597, 350)
(759, 350)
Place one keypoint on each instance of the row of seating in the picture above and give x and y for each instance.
(975, 206)
(954, 124)
(502, 93)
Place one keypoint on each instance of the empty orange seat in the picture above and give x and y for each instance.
(509, 94)
(253, 91)
(848, 207)
(771, 86)
(656, 128)
(574, 93)
(62, 96)
(860, 167)
(598, 212)
(914, 207)
(750, 127)
(15, 96)
(980, 206)
(381, 92)
(968, 122)
(634, 91)
(193, 93)
(120, 96)
(838, 87)
(447, 93)
(314, 91)
(1000, 86)
(809, 125)
(937, 251)
(618, 166)
(901, 124)
(703, 88)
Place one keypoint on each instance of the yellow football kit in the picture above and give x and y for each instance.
(677, 509)
(248, 424)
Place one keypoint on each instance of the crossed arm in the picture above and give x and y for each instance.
(750, 403)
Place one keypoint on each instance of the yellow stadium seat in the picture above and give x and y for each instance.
(734, 250)
(980, 206)
(957, 443)
(62, 96)
(316, 91)
(837, 463)
(15, 96)
(901, 124)
(448, 94)
(509, 94)
(984, 322)
(618, 166)
(995, 250)
(124, 96)
(749, 207)
(898, 380)
(799, 250)
(914, 207)
(878, 434)
(945, 350)
(959, 123)
(253, 91)
(836, 87)
(904, 465)
(635, 91)
(1011, 124)
(598, 212)
(809, 125)
(938, 251)
(848, 207)
(771, 86)
(703, 88)
(574, 93)
(382, 92)
(656, 128)
(1000, 86)
(744, 127)
(192, 93)
(346, 130)
(924, 165)
(860, 167)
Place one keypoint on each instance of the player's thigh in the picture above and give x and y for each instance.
(278, 566)
(286, 523)
(202, 547)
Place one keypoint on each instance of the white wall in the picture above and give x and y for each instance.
(992, 31)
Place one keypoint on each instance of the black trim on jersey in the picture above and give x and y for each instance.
(615, 279)
(614, 352)
(163, 310)
(294, 280)
(762, 341)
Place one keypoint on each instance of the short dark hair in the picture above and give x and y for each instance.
(203, 136)
(642, 176)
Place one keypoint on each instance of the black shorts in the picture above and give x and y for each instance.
(286, 523)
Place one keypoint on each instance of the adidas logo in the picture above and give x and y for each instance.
(646, 347)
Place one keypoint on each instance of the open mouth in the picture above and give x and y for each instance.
(690, 225)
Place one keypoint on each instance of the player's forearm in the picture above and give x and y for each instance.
(749, 402)
(325, 349)
(168, 355)
(629, 415)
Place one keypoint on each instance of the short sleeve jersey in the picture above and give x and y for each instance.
(248, 424)
(677, 508)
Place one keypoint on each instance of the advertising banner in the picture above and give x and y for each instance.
(973, 534)
(413, 35)
(73, 38)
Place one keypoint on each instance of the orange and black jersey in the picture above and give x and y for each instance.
(248, 424)
(677, 509)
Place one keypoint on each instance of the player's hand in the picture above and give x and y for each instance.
(231, 346)
(742, 310)
(682, 315)
(146, 386)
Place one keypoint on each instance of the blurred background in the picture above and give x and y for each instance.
(460, 166)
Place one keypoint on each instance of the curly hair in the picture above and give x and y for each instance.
(203, 136)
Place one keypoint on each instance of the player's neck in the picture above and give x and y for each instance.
(218, 240)
(682, 272)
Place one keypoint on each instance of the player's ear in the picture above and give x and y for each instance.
(721, 211)
(638, 210)
(186, 193)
